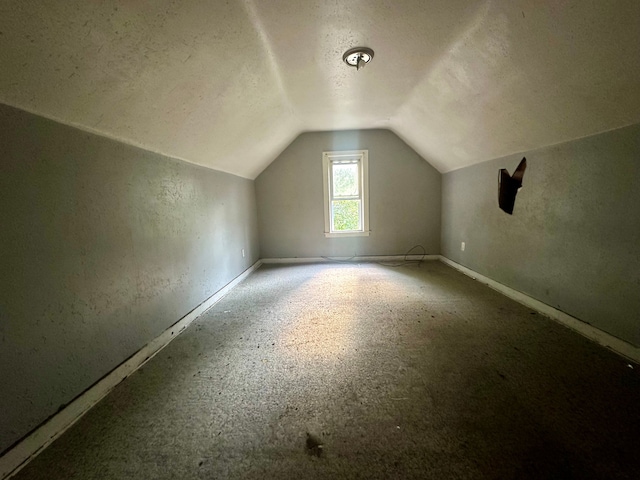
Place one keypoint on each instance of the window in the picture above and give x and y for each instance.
(346, 193)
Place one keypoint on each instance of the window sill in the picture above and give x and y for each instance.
(345, 234)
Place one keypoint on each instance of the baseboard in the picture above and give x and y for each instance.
(607, 340)
(27, 449)
(363, 258)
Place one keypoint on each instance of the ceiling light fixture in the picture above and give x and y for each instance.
(358, 57)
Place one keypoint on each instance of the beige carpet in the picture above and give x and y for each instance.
(363, 371)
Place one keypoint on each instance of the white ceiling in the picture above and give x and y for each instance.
(229, 84)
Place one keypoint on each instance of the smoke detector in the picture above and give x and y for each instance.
(358, 57)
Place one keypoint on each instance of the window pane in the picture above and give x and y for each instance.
(346, 215)
(345, 179)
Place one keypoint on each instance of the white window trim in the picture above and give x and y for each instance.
(363, 158)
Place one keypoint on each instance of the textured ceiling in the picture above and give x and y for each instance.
(229, 84)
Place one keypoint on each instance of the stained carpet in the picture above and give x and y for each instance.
(363, 371)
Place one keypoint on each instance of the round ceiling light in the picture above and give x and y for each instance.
(358, 57)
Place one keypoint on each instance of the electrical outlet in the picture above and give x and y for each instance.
(243, 253)
(462, 245)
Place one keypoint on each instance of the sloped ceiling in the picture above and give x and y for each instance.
(229, 84)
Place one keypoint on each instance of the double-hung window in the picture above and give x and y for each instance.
(346, 193)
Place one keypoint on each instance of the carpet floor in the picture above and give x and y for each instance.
(363, 371)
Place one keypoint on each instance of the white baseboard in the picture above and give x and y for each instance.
(363, 258)
(16, 458)
(619, 346)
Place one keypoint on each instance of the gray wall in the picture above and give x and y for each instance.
(404, 192)
(573, 241)
(103, 247)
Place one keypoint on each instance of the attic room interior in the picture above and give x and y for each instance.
(229, 253)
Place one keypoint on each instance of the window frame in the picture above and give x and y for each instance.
(362, 160)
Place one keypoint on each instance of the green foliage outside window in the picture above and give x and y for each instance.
(345, 178)
(346, 215)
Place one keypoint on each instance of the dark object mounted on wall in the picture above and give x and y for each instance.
(508, 186)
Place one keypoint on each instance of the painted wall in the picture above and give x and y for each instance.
(404, 193)
(573, 240)
(103, 247)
